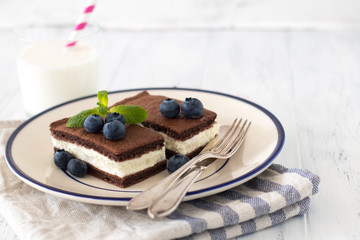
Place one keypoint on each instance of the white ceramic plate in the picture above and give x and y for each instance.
(29, 150)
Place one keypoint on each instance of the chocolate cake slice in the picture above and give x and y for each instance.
(182, 135)
(124, 162)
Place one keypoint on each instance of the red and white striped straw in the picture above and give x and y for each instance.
(81, 23)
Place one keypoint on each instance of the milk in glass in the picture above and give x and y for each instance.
(49, 74)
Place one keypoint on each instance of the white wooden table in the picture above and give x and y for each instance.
(309, 79)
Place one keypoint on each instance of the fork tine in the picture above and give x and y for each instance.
(227, 136)
(220, 141)
(239, 141)
(234, 138)
(238, 144)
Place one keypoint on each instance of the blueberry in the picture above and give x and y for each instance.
(94, 123)
(114, 130)
(114, 116)
(192, 108)
(169, 108)
(61, 158)
(77, 168)
(176, 161)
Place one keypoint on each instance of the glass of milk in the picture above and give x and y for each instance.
(49, 73)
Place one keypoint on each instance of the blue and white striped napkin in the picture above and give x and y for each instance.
(274, 196)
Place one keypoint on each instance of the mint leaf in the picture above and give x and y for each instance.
(133, 114)
(102, 109)
(102, 103)
(103, 97)
(79, 119)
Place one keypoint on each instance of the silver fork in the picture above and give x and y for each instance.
(224, 148)
(168, 203)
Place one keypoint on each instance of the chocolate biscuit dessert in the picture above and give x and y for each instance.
(182, 135)
(124, 162)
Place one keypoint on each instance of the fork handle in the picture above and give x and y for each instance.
(171, 200)
(147, 198)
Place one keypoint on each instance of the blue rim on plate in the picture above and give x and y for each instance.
(266, 163)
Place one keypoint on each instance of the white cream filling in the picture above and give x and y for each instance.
(191, 144)
(120, 169)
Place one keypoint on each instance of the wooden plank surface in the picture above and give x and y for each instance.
(191, 14)
(308, 79)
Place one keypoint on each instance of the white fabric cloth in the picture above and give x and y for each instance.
(271, 198)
